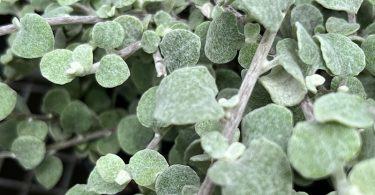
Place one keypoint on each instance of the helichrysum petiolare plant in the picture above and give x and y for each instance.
(254, 96)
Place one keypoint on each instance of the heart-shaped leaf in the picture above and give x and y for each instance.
(34, 38)
(29, 151)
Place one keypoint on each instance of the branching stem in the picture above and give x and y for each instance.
(10, 28)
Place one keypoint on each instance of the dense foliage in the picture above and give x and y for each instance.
(255, 96)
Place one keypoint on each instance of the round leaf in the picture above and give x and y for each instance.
(55, 101)
(132, 27)
(341, 55)
(174, 178)
(34, 38)
(76, 117)
(317, 150)
(95, 183)
(8, 99)
(54, 65)
(368, 47)
(363, 176)
(146, 165)
(108, 34)
(150, 41)
(146, 108)
(35, 128)
(223, 39)
(29, 151)
(180, 48)
(347, 109)
(83, 55)
(215, 144)
(113, 71)
(132, 136)
(109, 167)
(341, 26)
(49, 172)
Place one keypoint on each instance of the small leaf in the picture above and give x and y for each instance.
(55, 100)
(29, 151)
(368, 46)
(262, 164)
(347, 109)
(80, 189)
(34, 38)
(246, 54)
(283, 87)
(146, 108)
(76, 117)
(132, 136)
(109, 167)
(204, 127)
(308, 51)
(108, 35)
(215, 144)
(54, 65)
(251, 32)
(112, 72)
(150, 41)
(355, 86)
(308, 16)
(173, 179)
(49, 172)
(180, 48)
(315, 150)
(198, 97)
(35, 128)
(132, 27)
(106, 11)
(273, 122)
(234, 151)
(8, 99)
(146, 165)
(341, 26)
(351, 6)
(223, 39)
(363, 176)
(267, 12)
(83, 55)
(95, 183)
(341, 55)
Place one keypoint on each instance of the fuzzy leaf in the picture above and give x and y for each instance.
(132, 27)
(246, 54)
(29, 151)
(146, 165)
(351, 6)
(180, 48)
(132, 136)
(54, 65)
(150, 41)
(83, 55)
(108, 35)
(122, 3)
(273, 122)
(95, 183)
(67, 2)
(368, 46)
(146, 108)
(315, 150)
(55, 101)
(355, 86)
(347, 109)
(34, 38)
(49, 172)
(198, 97)
(263, 164)
(173, 179)
(363, 176)
(341, 26)
(341, 55)
(215, 144)
(109, 166)
(204, 127)
(35, 128)
(113, 71)
(223, 39)
(8, 99)
(308, 51)
(308, 16)
(76, 117)
(79, 189)
(267, 12)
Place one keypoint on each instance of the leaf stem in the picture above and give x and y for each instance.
(154, 143)
(161, 70)
(307, 108)
(79, 139)
(10, 28)
(6, 154)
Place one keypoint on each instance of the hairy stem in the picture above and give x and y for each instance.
(10, 28)
(207, 187)
(161, 70)
(80, 139)
(154, 143)
(247, 86)
(307, 109)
